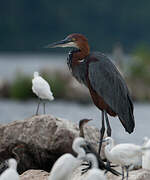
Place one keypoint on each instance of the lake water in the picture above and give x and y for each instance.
(28, 63)
(14, 110)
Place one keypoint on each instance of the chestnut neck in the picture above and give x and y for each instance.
(81, 53)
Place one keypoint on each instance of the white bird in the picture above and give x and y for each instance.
(146, 155)
(67, 163)
(94, 173)
(125, 155)
(11, 172)
(42, 89)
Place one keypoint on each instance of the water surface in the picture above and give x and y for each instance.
(14, 110)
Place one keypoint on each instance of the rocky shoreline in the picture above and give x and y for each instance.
(37, 142)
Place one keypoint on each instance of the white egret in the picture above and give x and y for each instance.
(11, 172)
(146, 155)
(125, 155)
(94, 173)
(42, 89)
(67, 163)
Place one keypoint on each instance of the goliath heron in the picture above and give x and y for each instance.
(106, 85)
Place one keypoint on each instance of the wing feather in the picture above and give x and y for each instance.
(106, 80)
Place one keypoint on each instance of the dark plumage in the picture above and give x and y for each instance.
(100, 75)
(106, 85)
(106, 80)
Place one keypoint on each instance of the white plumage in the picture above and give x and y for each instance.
(11, 172)
(94, 173)
(67, 163)
(125, 155)
(146, 155)
(42, 89)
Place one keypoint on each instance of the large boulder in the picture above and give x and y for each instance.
(34, 175)
(38, 141)
(140, 174)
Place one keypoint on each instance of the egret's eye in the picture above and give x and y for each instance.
(73, 39)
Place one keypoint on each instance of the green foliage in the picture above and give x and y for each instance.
(141, 66)
(21, 87)
(57, 83)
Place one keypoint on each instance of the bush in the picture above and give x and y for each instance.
(57, 84)
(141, 65)
(21, 88)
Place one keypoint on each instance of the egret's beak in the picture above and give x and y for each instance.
(67, 42)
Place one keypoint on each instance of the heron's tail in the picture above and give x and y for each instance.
(127, 119)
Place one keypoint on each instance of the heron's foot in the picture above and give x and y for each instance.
(107, 166)
(85, 164)
(84, 170)
(112, 166)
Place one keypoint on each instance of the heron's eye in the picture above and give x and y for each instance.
(73, 39)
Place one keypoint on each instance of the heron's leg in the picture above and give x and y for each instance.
(108, 166)
(102, 131)
(38, 107)
(108, 124)
(44, 107)
(122, 173)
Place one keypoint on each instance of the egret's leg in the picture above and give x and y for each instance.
(102, 131)
(38, 107)
(127, 169)
(44, 108)
(108, 124)
(122, 173)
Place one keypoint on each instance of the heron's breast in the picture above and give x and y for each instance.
(99, 101)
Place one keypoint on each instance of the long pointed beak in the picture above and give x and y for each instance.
(61, 43)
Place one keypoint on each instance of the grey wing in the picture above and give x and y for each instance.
(106, 80)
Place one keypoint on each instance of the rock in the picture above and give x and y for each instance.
(38, 141)
(140, 174)
(34, 175)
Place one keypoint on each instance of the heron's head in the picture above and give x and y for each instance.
(73, 40)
